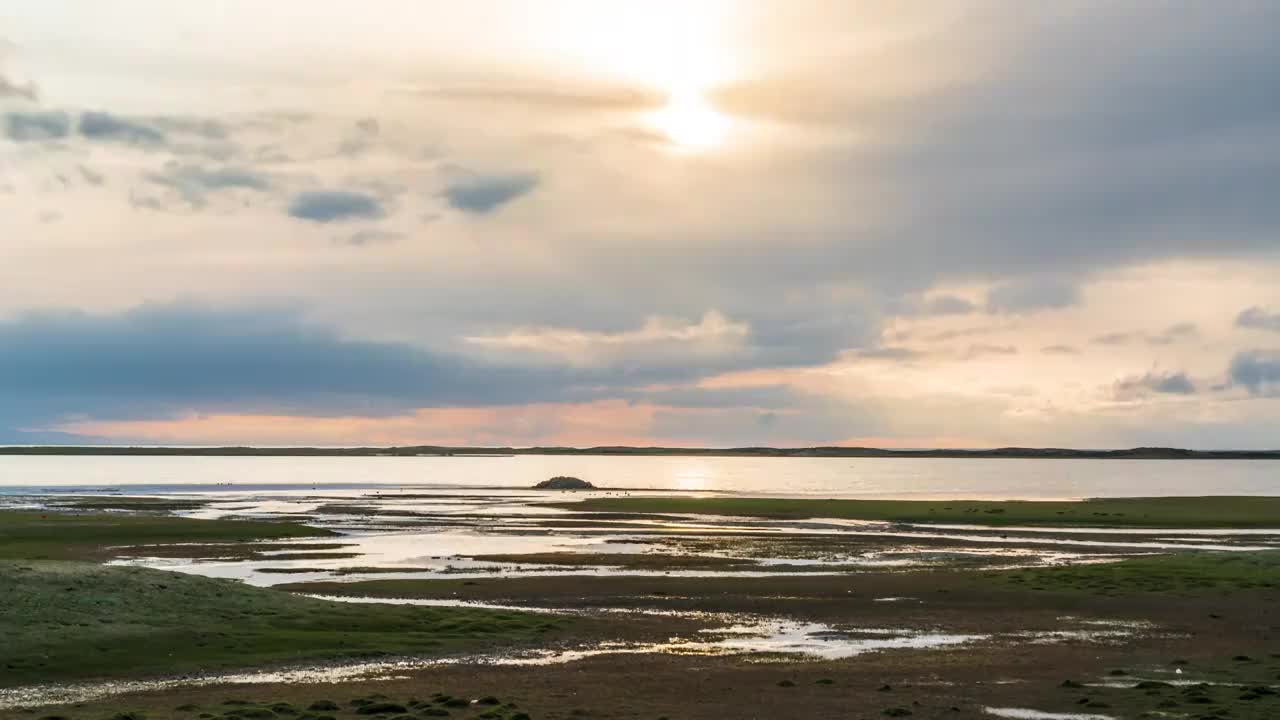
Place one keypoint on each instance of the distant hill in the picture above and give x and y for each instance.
(1141, 453)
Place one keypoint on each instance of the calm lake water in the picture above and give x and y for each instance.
(823, 477)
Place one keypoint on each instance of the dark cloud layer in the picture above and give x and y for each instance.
(157, 360)
(325, 206)
(1120, 134)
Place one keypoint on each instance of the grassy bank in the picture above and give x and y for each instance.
(61, 536)
(1179, 573)
(68, 620)
(62, 618)
(1182, 512)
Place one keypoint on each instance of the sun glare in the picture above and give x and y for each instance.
(690, 122)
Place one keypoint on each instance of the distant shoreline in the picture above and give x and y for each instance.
(1141, 453)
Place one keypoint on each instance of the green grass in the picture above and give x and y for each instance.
(138, 504)
(1180, 573)
(61, 536)
(1188, 512)
(64, 620)
(72, 621)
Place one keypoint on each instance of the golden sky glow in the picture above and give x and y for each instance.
(690, 121)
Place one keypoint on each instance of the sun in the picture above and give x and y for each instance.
(690, 122)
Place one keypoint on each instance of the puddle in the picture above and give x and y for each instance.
(1107, 632)
(429, 602)
(822, 641)
(765, 637)
(430, 532)
(1131, 682)
(739, 634)
(1026, 714)
(38, 695)
(265, 573)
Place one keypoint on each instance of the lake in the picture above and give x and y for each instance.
(825, 477)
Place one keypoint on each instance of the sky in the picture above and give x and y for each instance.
(942, 223)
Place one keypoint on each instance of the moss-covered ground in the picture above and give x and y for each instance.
(63, 618)
(1167, 512)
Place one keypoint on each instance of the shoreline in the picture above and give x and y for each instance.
(431, 451)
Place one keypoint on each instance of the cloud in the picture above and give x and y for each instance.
(947, 305)
(99, 126)
(372, 237)
(984, 152)
(1174, 333)
(203, 127)
(1038, 159)
(764, 417)
(1170, 335)
(659, 341)
(982, 350)
(1031, 295)
(1059, 350)
(1257, 318)
(1115, 338)
(758, 397)
(11, 88)
(91, 176)
(324, 206)
(1140, 386)
(159, 362)
(542, 96)
(106, 126)
(193, 182)
(888, 353)
(481, 195)
(36, 126)
(154, 361)
(1256, 370)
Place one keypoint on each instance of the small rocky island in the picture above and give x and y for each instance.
(564, 482)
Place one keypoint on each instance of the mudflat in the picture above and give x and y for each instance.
(1111, 631)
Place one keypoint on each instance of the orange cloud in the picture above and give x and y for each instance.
(610, 422)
